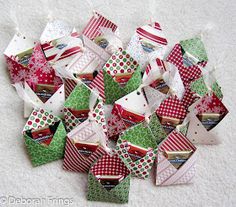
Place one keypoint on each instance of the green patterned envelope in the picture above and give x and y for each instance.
(143, 135)
(121, 67)
(41, 154)
(195, 47)
(109, 165)
(200, 88)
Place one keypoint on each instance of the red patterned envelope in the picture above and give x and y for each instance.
(40, 72)
(188, 74)
(201, 129)
(89, 132)
(171, 113)
(17, 55)
(166, 172)
(127, 111)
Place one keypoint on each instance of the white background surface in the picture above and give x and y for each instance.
(215, 181)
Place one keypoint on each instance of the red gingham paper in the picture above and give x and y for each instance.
(110, 165)
(172, 107)
(187, 74)
(189, 97)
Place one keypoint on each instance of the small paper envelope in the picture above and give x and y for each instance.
(86, 132)
(147, 44)
(191, 72)
(17, 55)
(166, 173)
(79, 101)
(120, 64)
(144, 135)
(127, 111)
(40, 72)
(54, 30)
(197, 133)
(157, 69)
(60, 52)
(41, 154)
(109, 165)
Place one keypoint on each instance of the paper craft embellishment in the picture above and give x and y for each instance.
(17, 55)
(176, 160)
(189, 56)
(44, 136)
(171, 113)
(147, 44)
(42, 86)
(137, 146)
(127, 111)
(86, 143)
(76, 108)
(120, 76)
(109, 180)
(205, 115)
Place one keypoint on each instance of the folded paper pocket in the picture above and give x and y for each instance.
(137, 146)
(175, 160)
(188, 73)
(17, 55)
(109, 180)
(84, 146)
(171, 113)
(44, 136)
(120, 76)
(205, 115)
(76, 108)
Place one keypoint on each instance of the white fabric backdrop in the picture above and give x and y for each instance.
(215, 180)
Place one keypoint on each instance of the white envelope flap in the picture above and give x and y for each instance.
(198, 134)
(18, 44)
(134, 101)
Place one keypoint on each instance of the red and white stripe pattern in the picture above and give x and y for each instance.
(166, 173)
(69, 86)
(92, 29)
(98, 83)
(76, 162)
(153, 33)
(51, 52)
(187, 74)
(172, 107)
(110, 165)
(159, 63)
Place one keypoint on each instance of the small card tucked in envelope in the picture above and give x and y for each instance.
(45, 137)
(109, 180)
(176, 160)
(120, 76)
